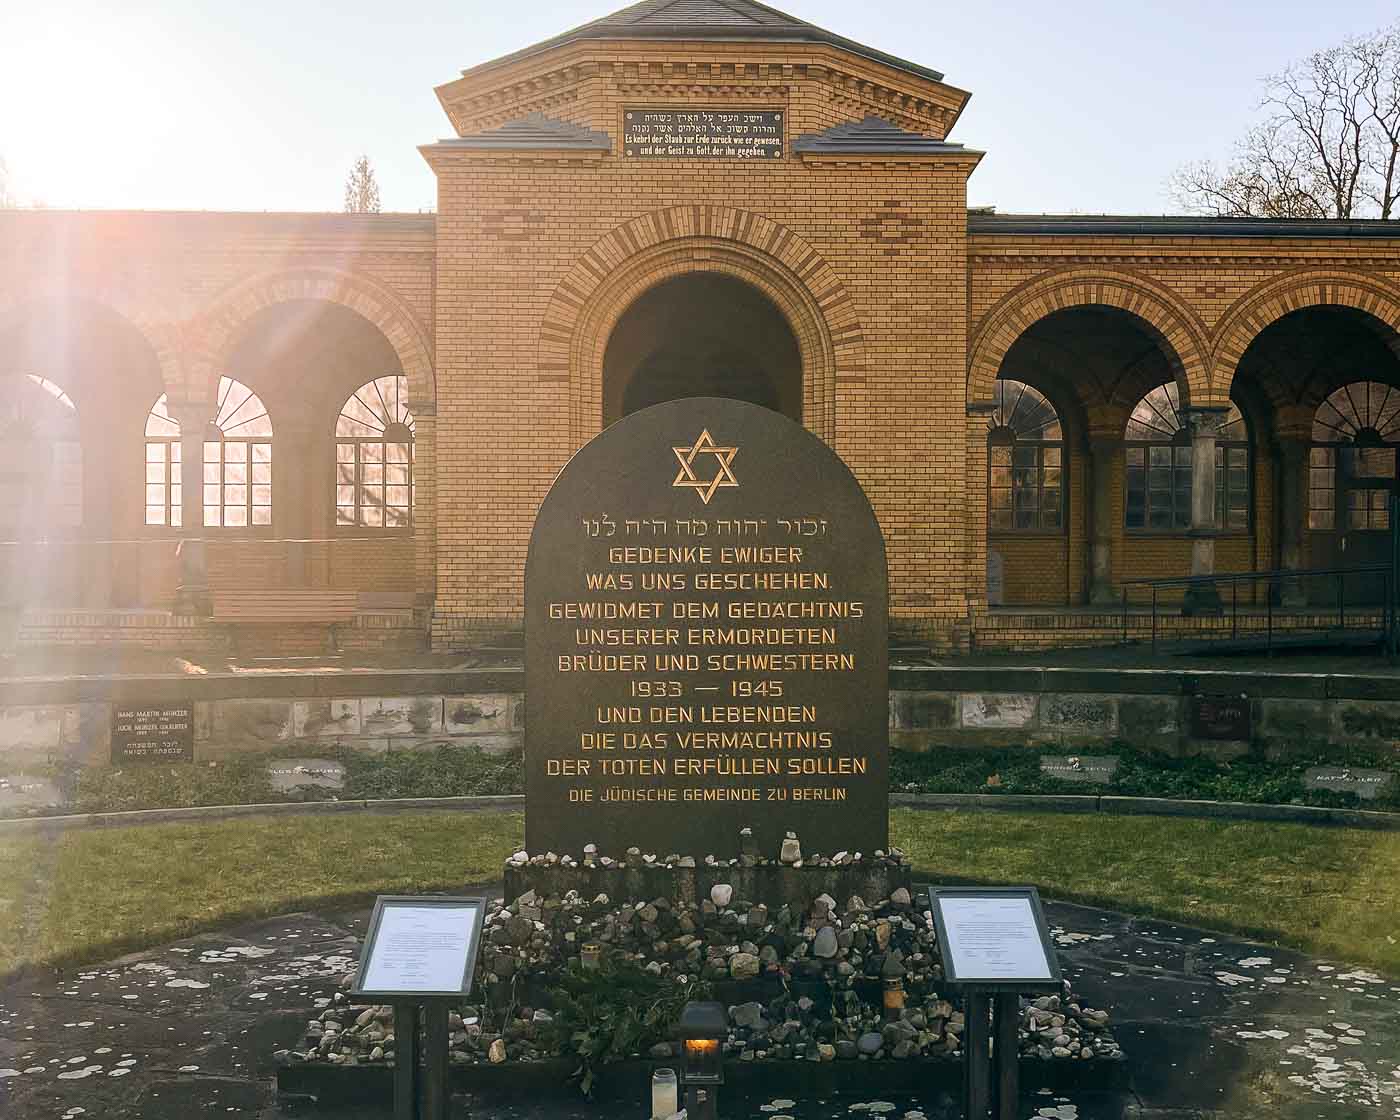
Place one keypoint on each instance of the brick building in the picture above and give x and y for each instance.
(376, 404)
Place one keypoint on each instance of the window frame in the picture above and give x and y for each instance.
(381, 418)
(1182, 456)
(1326, 455)
(1003, 434)
(237, 406)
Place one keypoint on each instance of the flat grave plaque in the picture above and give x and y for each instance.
(706, 636)
(703, 133)
(23, 791)
(1224, 718)
(162, 733)
(289, 773)
(1080, 767)
(1366, 784)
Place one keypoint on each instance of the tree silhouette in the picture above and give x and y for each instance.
(361, 191)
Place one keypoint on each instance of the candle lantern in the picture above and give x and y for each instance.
(702, 1030)
(894, 998)
(590, 955)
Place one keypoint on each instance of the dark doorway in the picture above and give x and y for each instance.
(702, 335)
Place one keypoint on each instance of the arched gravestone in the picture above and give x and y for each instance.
(706, 628)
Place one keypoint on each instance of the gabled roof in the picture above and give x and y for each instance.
(872, 136)
(714, 20)
(535, 131)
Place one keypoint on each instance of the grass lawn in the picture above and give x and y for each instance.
(89, 894)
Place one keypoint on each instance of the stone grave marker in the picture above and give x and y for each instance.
(1366, 784)
(159, 733)
(289, 773)
(706, 641)
(1080, 767)
(19, 792)
(1225, 718)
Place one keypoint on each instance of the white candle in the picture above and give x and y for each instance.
(664, 1097)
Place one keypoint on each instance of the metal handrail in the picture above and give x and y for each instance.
(1390, 610)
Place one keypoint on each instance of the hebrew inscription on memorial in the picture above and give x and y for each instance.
(703, 133)
(706, 641)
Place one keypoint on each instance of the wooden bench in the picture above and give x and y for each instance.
(281, 615)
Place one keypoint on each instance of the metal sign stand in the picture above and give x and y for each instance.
(991, 997)
(420, 985)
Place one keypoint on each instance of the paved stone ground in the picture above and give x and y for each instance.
(1212, 1028)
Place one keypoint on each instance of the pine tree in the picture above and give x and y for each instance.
(361, 191)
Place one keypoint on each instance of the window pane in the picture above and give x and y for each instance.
(262, 472)
(344, 452)
(373, 474)
(344, 515)
(345, 496)
(155, 515)
(211, 516)
(1051, 456)
(372, 452)
(235, 516)
(371, 515)
(211, 452)
(396, 476)
(155, 472)
(155, 452)
(235, 472)
(212, 472)
(397, 496)
(211, 495)
(262, 515)
(262, 452)
(262, 495)
(345, 472)
(397, 452)
(155, 495)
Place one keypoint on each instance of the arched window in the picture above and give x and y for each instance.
(41, 455)
(237, 462)
(1157, 454)
(374, 456)
(1025, 461)
(1357, 429)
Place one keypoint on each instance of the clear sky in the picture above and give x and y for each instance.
(1085, 105)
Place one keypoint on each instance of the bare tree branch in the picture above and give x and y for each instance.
(1328, 147)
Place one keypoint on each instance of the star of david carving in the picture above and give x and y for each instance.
(724, 460)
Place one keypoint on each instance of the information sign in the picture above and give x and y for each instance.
(694, 133)
(995, 938)
(420, 946)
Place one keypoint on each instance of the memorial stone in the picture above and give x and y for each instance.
(1079, 767)
(162, 733)
(1365, 784)
(706, 641)
(1224, 718)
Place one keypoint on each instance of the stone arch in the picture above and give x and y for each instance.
(218, 328)
(1177, 326)
(587, 303)
(1271, 300)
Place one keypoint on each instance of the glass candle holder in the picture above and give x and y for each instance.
(590, 955)
(665, 1093)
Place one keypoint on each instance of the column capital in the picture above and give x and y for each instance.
(1205, 421)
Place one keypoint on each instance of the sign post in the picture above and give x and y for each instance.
(996, 947)
(419, 953)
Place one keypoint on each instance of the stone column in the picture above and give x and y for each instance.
(192, 595)
(1204, 427)
(1292, 502)
(294, 473)
(1103, 519)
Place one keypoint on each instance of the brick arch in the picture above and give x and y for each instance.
(587, 304)
(1270, 301)
(212, 337)
(1176, 325)
(158, 336)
